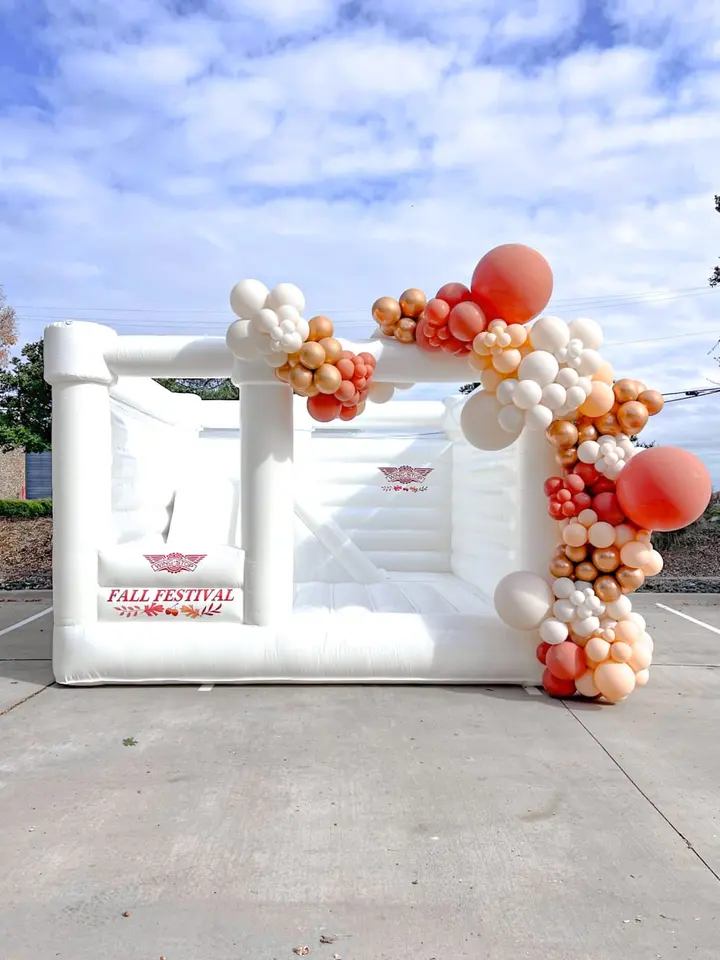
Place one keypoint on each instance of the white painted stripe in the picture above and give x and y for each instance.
(16, 626)
(685, 616)
(205, 687)
(533, 692)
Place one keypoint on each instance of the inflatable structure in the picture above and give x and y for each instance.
(315, 532)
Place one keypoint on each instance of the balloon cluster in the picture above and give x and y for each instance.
(399, 318)
(451, 321)
(609, 496)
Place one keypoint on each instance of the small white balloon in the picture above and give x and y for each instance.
(286, 295)
(287, 312)
(287, 326)
(554, 396)
(505, 391)
(549, 333)
(563, 587)
(564, 610)
(590, 363)
(381, 392)
(575, 396)
(567, 377)
(292, 342)
(239, 340)
(266, 320)
(588, 451)
(538, 417)
(585, 384)
(539, 366)
(303, 328)
(619, 609)
(277, 347)
(588, 331)
(278, 358)
(522, 600)
(586, 627)
(553, 631)
(511, 419)
(527, 394)
(247, 297)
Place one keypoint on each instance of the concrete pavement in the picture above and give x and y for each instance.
(410, 823)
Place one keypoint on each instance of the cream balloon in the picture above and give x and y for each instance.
(248, 297)
(538, 418)
(479, 423)
(240, 342)
(549, 333)
(527, 394)
(523, 600)
(585, 685)
(511, 419)
(553, 631)
(381, 392)
(540, 367)
(588, 331)
(287, 295)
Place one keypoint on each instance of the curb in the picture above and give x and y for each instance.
(26, 596)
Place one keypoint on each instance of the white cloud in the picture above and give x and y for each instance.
(363, 147)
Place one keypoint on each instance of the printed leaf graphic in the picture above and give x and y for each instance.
(153, 610)
(190, 611)
(211, 609)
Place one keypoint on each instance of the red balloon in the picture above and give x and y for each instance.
(552, 485)
(608, 509)
(453, 294)
(664, 488)
(345, 391)
(437, 312)
(587, 471)
(603, 485)
(368, 359)
(466, 321)
(556, 687)
(541, 652)
(566, 661)
(348, 413)
(324, 407)
(422, 335)
(512, 283)
(346, 368)
(582, 501)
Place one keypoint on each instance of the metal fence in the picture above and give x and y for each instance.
(38, 475)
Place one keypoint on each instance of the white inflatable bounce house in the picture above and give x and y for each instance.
(271, 540)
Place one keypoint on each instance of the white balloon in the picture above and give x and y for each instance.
(479, 423)
(287, 312)
(564, 610)
(619, 609)
(586, 627)
(381, 392)
(505, 391)
(278, 358)
(554, 396)
(549, 333)
(575, 396)
(260, 340)
(553, 631)
(511, 419)
(523, 600)
(286, 295)
(563, 587)
(287, 326)
(247, 297)
(588, 451)
(590, 363)
(527, 394)
(239, 340)
(277, 347)
(587, 330)
(540, 366)
(585, 384)
(266, 320)
(567, 377)
(303, 328)
(291, 342)
(538, 417)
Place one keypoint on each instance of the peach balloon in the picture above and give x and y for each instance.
(597, 649)
(513, 283)
(575, 535)
(585, 685)
(641, 678)
(653, 566)
(664, 488)
(615, 681)
(642, 656)
(601, 534)
(605, 373)
(506, 362)
(621, 652)
(635, 554)
(627, 631)
(600, 400)
(624, 533)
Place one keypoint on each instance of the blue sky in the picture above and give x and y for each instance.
(153, 152)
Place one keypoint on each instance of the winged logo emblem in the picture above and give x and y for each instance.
(174, 562)
(406, 474)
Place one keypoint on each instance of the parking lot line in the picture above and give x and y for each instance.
(16, 626)
(685, 616)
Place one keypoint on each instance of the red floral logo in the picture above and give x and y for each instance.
(174, 562)
(405, 478)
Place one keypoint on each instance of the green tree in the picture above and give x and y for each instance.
(25, 402)
(715, 278)
(213, 388)
(8, 330)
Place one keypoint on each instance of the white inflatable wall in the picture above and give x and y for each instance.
(207, 541)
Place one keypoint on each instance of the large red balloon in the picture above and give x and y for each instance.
(324, 407)
(512, 283)
(557, 687)
(664, 488)
(566, 661)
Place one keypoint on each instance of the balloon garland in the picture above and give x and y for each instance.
(608, 495)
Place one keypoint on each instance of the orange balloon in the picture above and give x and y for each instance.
(512, 283)
(466, 321)
(324, 408)
(600, 400)
(566, 661)
(664, 488)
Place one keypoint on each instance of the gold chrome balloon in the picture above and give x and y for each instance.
(586, 571)
(608, 425)
(576, 554)
(607, 589)
(283, 373)
(386, 311)
(328, 378)
(567, 457)
(562, 433)
(625, 390)
(652, 401)
(606, 559)
(413, 302)
(320, 328)
(632, 416)
(630, 579)
(561, 567)
(333, 349)
(312, 355)
(586, 431)
(300, 377)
